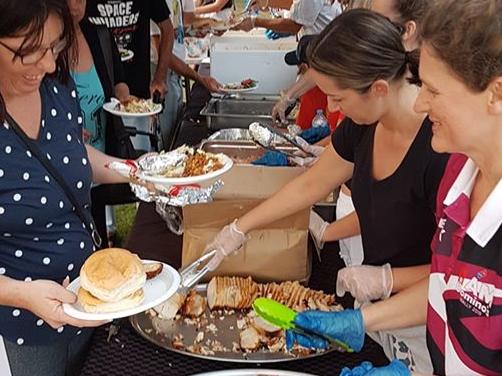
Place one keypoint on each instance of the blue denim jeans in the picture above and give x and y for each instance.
(58, 359)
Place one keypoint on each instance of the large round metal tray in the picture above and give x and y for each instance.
(161, 332)
(253, 372)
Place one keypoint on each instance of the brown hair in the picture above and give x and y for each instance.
(359, 47)
(27, 18)
(411, 10)
(467, 36)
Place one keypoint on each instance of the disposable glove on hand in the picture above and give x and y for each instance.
(395, 368)
(365, 283)
(315, 134)
(305, 161)
(317, 228)
(279, 110)
(272, 158)
(228, 241)
(346, 326)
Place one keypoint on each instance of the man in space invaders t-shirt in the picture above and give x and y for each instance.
(129, 22)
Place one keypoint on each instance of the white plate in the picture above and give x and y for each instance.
(246, 90)
(156, 290)
(126, 55)
(111, 107)
(253, 372)
(164, 181)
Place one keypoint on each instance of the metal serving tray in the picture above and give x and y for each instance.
(161, 332)
(241, 152)
(254, 372)
(222, 113)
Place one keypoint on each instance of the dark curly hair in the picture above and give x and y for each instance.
(26, 18)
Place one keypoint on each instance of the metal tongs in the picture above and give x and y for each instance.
(194, 272)
(263, 135)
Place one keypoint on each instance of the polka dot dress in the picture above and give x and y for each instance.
(41, 237)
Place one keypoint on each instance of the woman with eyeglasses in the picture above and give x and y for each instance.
(45, 228)
(383, 145)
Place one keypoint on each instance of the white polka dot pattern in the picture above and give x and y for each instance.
(39, 231)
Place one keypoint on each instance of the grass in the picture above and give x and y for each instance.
(124, 218)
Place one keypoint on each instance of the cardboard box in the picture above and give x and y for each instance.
(277, 252)
(245, 181)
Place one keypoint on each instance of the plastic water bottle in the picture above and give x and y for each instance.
(319, 120)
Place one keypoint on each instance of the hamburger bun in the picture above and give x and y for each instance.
(94, 305)
(112, 274)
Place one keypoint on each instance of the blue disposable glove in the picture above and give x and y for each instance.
(272, 158)
(315, 134)
(395, 368)
(273, 35)
(346, 326)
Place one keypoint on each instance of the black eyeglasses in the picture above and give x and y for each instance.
(35, 56)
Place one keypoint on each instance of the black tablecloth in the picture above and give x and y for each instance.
(128, 354)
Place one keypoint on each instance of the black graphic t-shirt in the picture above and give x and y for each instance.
(129, 22)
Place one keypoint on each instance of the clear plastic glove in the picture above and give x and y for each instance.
(365, 283)
(395, 368)
(317, 228)
(279, 110)
(346, 326)
(229, 240)
(302, 160)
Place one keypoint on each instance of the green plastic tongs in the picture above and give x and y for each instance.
(283, 317)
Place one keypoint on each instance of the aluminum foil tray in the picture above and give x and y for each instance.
(241, 152)
(161, 332)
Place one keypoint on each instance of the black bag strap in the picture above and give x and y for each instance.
(106, 48)
(84, 215)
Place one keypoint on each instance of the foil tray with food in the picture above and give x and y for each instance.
(182, 176)
(215, 321)
(241, 152)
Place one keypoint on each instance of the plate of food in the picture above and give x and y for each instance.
(125, 55)
(115, 283)
(134, 107)
(241, 87)
(182, 166)
(216, 321)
